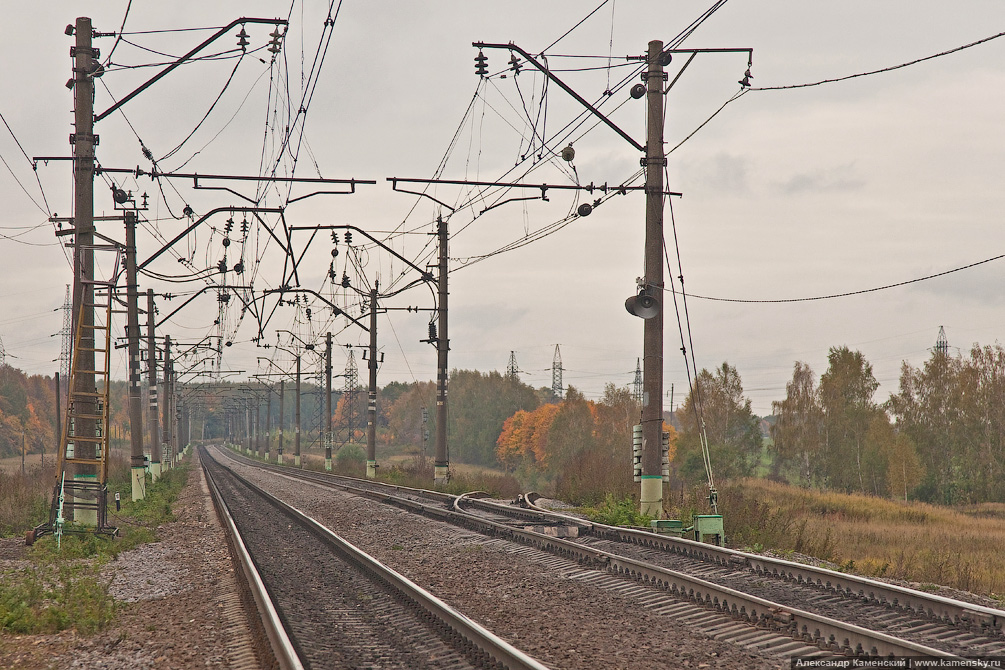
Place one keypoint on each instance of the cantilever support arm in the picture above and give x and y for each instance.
(426, 275)
(548, 73)
(172, 66)
(195, 225)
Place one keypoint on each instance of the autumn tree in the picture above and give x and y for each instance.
(929, 408)
(404, 414)
(28, 409)
(798, 431)
(479, 404)
(717, 406)
(513, 445)
(982, 469)
(846, 391)
(904, 470)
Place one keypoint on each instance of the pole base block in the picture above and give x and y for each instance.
(441, 475)
(139, 480)
(652, 496)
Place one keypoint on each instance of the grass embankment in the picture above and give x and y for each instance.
(61, 587)
(957, 547)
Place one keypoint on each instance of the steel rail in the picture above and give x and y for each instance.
(931, 605)
(480, 637)
(282, 647)
(829, 634)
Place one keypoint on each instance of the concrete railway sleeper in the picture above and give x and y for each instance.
(354, 611)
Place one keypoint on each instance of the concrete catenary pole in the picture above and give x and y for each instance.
(371, 406)
(247, 426)
(166, 409)
(83, 141)
(175, 417)
(155, 438)
(328, 402)
(268, 421)
(296, 412)
(441, 463)
(137, 466)
(282, 419)
(258, 423)
(652, 348)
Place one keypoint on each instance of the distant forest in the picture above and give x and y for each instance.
(940, 438)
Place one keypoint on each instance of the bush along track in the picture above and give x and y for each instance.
(61, 587)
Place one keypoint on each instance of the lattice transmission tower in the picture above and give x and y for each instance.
(351, 390)
(942, 343)
(557, 388)
(66, 337)
(637, 384)
(512, 371)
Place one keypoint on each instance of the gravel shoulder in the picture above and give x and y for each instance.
(175, 600)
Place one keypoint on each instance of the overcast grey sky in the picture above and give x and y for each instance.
(787, 193)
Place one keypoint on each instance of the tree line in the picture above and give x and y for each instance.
(939, 438)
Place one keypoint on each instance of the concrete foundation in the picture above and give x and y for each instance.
(652, 496)
(139, 479)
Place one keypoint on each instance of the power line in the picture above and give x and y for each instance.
(849, 293)
(882, 70)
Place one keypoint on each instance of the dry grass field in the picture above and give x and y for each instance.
(25, 499)
(962, 547)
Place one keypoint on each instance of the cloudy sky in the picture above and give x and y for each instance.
(787, 193)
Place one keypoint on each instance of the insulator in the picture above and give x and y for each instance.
(334, 237)
(308, 313)
(514, 63)
(229, 226)
(222, 265)
(244, 226)
(274, 43)
(242, 39)
(348, 237)
(432, 331)
(345, 280)
(480, 64)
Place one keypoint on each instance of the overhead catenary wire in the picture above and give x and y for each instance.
(34, 168)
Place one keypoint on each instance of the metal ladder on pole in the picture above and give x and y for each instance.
(82, 465)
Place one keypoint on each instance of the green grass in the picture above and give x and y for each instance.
(615, 512)
(61, 586)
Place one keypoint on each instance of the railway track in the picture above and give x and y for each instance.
(762, 603)
(324, 603)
